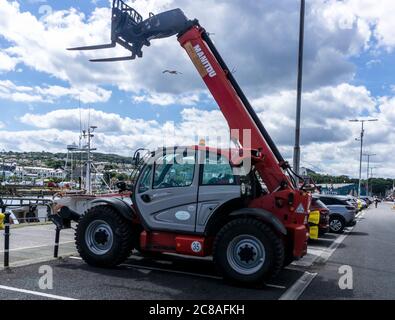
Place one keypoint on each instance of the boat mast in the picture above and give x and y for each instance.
(88, 180)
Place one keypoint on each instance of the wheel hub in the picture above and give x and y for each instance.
(335, 225)
(99, 237)
(246, 254)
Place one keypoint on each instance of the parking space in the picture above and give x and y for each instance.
(164, 277)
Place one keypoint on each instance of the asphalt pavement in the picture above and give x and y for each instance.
(369, 249)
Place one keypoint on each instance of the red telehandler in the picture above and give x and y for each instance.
(188, 200)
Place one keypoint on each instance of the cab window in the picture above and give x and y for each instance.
(145, 180)
(174, 170)
(217, 171)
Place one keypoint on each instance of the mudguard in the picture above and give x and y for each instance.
(118, 204)
(264, 215)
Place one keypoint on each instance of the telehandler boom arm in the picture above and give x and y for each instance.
(132, 32)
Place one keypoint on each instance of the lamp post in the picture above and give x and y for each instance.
(296, 158)
(360, 152)
(367, 176)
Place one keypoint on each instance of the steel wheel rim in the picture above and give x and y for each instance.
(335, 225)
(246, 254)
(99, 237)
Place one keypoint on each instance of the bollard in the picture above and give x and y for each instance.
(6, 238)
(56, 248)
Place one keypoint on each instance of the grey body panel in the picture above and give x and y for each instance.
(210, 199)
(191, 208)
(170, 208)
(348, 215)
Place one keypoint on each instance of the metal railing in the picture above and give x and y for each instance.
(7, 227)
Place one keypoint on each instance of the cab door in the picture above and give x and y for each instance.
(218, 185)
(166, 193)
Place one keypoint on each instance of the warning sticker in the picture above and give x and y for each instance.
(300, 209)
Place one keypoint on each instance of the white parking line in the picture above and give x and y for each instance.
(322, 254)
(303, 282)
(329, 251)
(298, 287)
(75, 258)
(36, 293)
(326, 254)
(35, 247)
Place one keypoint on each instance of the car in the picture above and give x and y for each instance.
(342, 212)
(364, 204)
(317, 204)
(369, 200)
(355, 201)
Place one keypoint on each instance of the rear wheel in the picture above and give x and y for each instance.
(337, 224)
(248, 251)
(103, 237)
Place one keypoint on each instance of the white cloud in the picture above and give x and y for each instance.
(270, 67)
(69, 119)
(165, 99)
(266, 68)
(7, 63)
(325, 112)
(10, 91)
(328, 138)
(372, 18)
(373, 62)
(87, 95)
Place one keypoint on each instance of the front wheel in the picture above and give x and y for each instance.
(103, 237)
(248, 251)
(337, 224)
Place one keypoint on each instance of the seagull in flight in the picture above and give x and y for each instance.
(172, 72)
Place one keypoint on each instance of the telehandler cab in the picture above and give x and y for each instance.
(196, 200)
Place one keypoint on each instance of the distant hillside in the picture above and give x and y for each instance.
(56, 160)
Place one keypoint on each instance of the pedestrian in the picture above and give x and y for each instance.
(376, 201)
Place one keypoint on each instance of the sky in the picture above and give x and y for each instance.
(48, 93)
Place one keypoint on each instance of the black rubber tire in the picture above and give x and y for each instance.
(273, 244)
(341, 220)
(122, 243)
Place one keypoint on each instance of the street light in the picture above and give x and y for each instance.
(367, 176)
(360, 153)
(296, 159)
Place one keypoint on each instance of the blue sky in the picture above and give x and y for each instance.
(349, 73)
